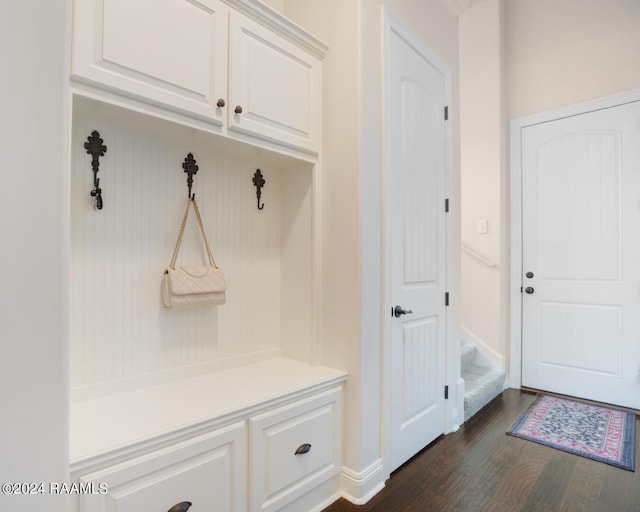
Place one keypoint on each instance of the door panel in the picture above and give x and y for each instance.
(581, 219)
(419, 121)
(579, 202)
(571, 336)
(419, 388)
(417, 246)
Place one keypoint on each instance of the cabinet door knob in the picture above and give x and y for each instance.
(303, 448)
(238, 109)
(220, 103)
(180, 507)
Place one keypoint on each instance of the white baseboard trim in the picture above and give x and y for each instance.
(360, 487)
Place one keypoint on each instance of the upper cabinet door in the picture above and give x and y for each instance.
(274, 86)
(169, 52)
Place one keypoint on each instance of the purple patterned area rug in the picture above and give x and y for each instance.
(598, 433)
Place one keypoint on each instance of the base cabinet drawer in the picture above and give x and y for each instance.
(207, 471)
(293, 449)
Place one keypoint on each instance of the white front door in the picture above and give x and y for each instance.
(581, 255)
(416, 184)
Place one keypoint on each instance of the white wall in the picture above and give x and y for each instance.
(33, 223)
(278, 5)
(351, 183)
(337, 23)
(542, 54)
(482, 92)
(561, 52)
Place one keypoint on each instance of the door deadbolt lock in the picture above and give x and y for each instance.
(529, 275)
(398, 311)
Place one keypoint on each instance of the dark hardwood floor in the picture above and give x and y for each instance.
(481, 469)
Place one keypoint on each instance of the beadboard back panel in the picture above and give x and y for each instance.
(120, 332)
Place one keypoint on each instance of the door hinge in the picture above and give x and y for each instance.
(446, 392)
(446, 205)
(446, 113)
(446, 299)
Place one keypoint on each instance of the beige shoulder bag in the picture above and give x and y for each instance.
(195, 286)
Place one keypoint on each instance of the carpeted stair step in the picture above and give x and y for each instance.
(467, 356)
(482, 385)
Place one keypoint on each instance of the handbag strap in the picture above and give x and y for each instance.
(212, 262)
(204, 236)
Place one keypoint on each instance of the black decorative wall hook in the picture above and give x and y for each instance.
(259, 182)
(96, 149)
(190, 167)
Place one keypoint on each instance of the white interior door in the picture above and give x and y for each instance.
(416, 185)
(581, 255)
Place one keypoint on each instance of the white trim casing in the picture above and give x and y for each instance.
(515, 149)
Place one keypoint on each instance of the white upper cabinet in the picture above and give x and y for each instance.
(167, 52)
(248, 73)
(274, 85)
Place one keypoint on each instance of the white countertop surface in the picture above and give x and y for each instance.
(107, 423)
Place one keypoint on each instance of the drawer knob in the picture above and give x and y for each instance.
(303, 448)
(238, 109)
(220, 103)
(180, 507)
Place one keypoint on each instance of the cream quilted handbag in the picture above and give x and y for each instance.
(193, 287)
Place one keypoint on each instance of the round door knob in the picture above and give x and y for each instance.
(529, 275)
(220, 103)
(529, 290)
(238, 109)
(398, 311)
